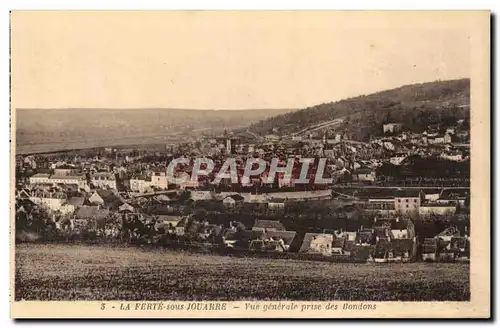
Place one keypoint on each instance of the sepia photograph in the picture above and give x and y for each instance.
(250, 164)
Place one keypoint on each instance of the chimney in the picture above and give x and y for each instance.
(397, 219)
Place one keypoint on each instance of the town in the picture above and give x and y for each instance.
(401, 196)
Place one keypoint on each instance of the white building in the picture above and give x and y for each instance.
(78, 179)
(53, 201)
(457, 157)
(159, 180)
(392, 127)
(436, 209)
(103, 180)
(276, 206)
(140, 184)
(316, 243)
(40, 178)
(397, 160)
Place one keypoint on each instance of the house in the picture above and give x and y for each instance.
(76, 179)
(256, 198)
(126, 208)
(39, 178)
(267, 246)
(76, 201)
(159, 180)
(210, 231)
(458, 196)
(95, 198)
(89, 217)
(402, 229)
(199, 195)
(431, 194)
(317, 243)
(241, 238)
(162, 198)
(88, 212)
(447, 138)
(347, 235)
(436, 140)
(452, 156)
(394, 228)
(284, 238)
(449, 233)
(429, 249)
(365, 175)
(407, 201)
(276, 205)
(168, 222)
(71, 205)
(268, 225)
(140, 183)
(180, 228)
(365, 236)
(64, 171)
(338, 245)
(435, 208)
(106, 198)
(397, 159)
(378, 207)
(232, 200)
(103, 180)
(48, 199)
(392, 127)
(187, 182)
(395, 250)
(461, 246)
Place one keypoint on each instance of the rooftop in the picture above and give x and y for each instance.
(268, 224)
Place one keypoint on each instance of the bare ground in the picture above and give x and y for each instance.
(66, 272)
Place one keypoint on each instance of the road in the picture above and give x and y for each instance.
(396, 187)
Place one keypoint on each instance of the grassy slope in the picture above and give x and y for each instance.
(63, 272)
(414, 105)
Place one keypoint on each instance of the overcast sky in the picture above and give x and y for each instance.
(227, 60)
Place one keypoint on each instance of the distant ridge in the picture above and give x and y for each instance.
(43, 130)
(415, 105)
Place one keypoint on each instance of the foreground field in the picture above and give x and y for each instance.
(64, 272)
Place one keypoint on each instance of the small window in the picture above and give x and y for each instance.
(406, 205)
(414, 200)
(399, 200)
(407, 200)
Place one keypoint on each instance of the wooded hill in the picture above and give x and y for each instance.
(415, 106)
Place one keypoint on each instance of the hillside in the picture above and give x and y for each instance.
(416, 106)
(41, 130)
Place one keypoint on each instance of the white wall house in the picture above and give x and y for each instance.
(159, 180)
(103, 180)
(140, 184)
(322, 244)
(40, 178)
(70, 179)
(52, 201)
(439, 209)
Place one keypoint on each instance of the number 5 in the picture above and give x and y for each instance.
(103, 306)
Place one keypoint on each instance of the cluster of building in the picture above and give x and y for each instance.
(416, 202)
(100, 189)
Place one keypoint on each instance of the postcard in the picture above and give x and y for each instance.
(250, 164)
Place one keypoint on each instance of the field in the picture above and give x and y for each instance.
(66, 272)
